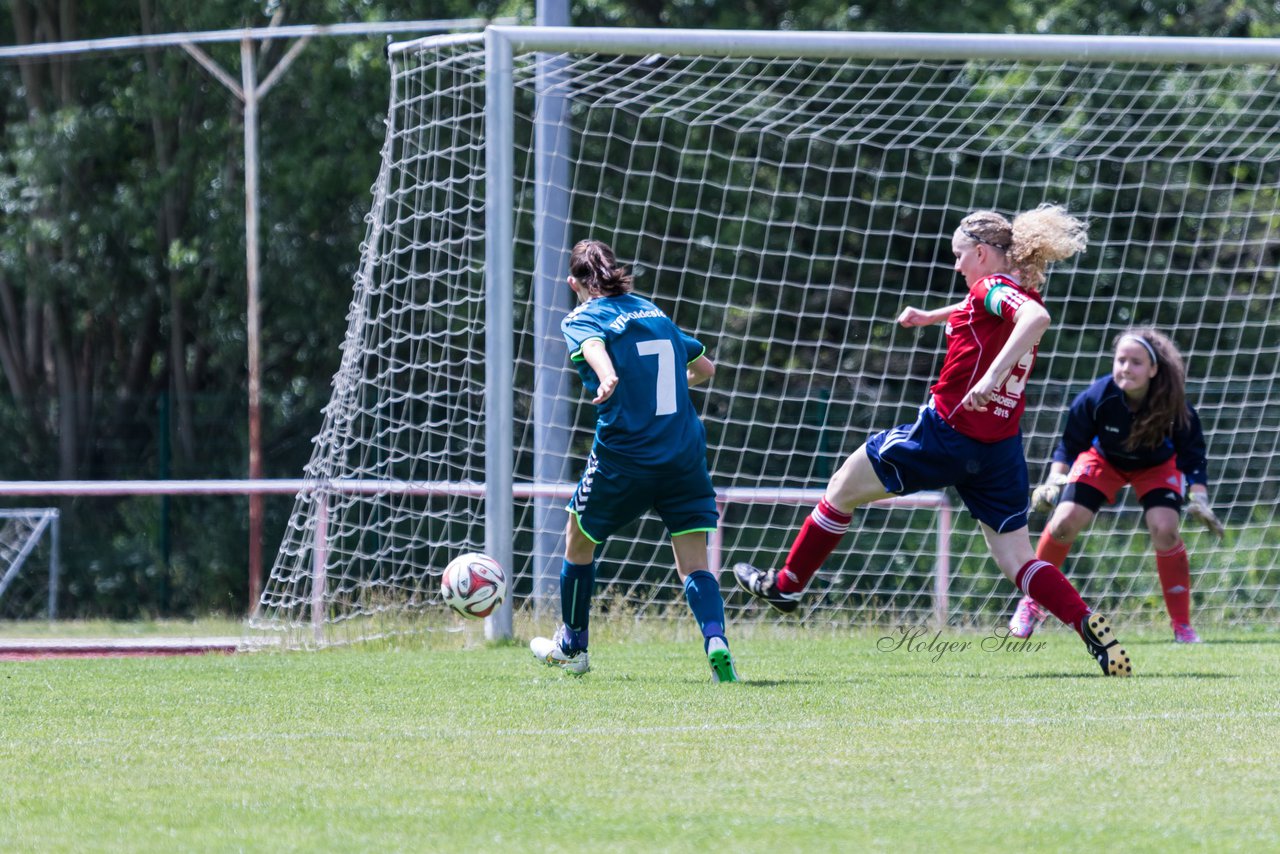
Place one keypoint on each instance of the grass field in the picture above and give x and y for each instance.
(836, 742)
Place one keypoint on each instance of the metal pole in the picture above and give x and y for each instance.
(249, 86)
(250, 93)
(552, 299)
(942, 576)
(499, 347)
(320, 567)
(55, 562)
(675, 42)
(28, 51)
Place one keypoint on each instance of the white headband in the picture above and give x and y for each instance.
(1151, 351)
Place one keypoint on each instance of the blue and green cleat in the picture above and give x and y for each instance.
(722, 669)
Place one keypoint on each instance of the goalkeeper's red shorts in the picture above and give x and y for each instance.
(1093, 469)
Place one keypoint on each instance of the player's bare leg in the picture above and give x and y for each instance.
(855, 483)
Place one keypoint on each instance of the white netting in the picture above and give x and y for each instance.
(784, 211)
(28, 563)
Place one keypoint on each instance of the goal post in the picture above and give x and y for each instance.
(782, 196)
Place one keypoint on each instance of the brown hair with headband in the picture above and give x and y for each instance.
(1164, 409)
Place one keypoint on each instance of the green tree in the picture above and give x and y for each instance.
(122, 306)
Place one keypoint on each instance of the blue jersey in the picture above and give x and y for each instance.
(1099, 416)
(649, 423)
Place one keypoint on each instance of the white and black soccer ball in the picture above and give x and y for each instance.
(473, 585)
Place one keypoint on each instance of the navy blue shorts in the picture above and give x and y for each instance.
(608, 498)
(930, 454)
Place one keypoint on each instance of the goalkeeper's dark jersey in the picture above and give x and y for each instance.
(1099, 416)
(649, 423)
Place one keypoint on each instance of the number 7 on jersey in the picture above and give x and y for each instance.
(665, 392)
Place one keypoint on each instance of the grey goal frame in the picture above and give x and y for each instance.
(502, 43)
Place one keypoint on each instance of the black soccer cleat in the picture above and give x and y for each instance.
(1104, 646)
(764, 585)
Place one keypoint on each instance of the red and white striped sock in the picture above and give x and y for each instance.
(1044, 583)
(818, 537)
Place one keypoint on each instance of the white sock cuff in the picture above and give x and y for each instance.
(826, 523)
(1032, 569)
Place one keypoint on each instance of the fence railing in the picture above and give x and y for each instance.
(937, 501)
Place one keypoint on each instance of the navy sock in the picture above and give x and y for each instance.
(702, 591)
(572, 641)
(577, 583)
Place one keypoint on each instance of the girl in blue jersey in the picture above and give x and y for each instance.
(650, 452)
(1132, 426)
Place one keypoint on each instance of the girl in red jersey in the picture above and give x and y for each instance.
(968, 434)
(1132, 426)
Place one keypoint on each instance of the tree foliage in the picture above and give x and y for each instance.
(122, 297)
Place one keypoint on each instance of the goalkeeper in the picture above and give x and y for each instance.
(1132, 426)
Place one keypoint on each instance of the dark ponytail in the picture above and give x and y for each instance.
(597, 270)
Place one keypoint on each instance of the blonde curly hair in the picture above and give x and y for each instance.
(1034, 240)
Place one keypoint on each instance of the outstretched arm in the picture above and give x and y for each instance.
(912, 316)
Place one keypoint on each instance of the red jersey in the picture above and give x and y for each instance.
(976, 332)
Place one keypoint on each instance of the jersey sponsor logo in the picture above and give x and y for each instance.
(1003, 400)
(620, 322)
(1111, 429)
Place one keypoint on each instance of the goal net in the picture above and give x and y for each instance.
(29, 563)
(783, 197)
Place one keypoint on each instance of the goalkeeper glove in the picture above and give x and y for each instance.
(1198, 507)
(1045, 496)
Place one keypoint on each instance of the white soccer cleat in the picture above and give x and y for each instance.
(550, 653)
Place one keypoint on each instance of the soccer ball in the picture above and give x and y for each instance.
(473, 585)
